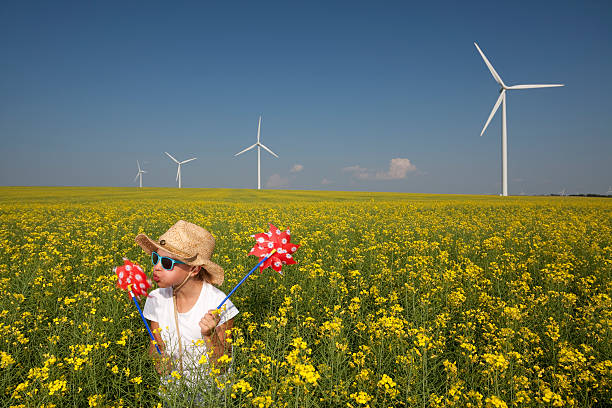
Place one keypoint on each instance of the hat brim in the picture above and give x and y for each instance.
(150, 246)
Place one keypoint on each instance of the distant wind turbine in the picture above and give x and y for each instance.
(259, 146)
(502, 100)
(562, 193)
(140, 173)
(178, 172)
(609, 190)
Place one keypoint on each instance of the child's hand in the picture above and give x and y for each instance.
(209, 322)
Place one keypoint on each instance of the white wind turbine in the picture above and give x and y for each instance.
(609, 190)
(502, 100)
(140, 173)
(178, 172)
(259, 146)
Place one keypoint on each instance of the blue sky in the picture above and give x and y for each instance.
(387, 96)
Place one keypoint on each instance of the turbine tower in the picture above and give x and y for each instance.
(259, 147)
(140, 173)
(502, 100)
(178, 172)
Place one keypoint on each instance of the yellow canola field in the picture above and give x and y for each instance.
(397, 300)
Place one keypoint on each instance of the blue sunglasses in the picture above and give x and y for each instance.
(167, 263)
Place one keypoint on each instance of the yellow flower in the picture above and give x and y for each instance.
(263, 401)
(242, 386)
(308, 373)
(332, 327)
(364, 375)
(552, 397)
(224, 359)
(450, 367)
(388, 385)
(552, 329)
(457, 297)
(57, 386)
(95, 400)
(361, 397)
(497, 361)
(495, 402)
(5, 359)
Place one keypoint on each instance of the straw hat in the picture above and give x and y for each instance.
(188, 243)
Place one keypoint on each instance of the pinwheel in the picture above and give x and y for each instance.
(132, 278)
(278, 240)
(132, 274)
(274, 248)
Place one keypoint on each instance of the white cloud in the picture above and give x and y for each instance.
(297, 168)
(398, 169)
(358, 171)
(326, 182)
(276, 181)
(354, 169)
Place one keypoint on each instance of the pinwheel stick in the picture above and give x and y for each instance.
(143, 318)
(245, 277)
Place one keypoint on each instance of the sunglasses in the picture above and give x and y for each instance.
(167, 263)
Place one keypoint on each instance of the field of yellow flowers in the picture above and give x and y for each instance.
(397, 300)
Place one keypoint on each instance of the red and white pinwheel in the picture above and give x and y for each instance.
(274, 249)
(132, 278)
(274, 239)
(132, 274)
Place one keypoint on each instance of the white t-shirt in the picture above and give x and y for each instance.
(159, 307)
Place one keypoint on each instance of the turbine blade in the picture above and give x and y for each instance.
(493, 72)
(188, 160)
(259, 129)
(534, 86)
(136, 178)
(245, 150)
(169, 155)
(178, 171)
(269, 151)
(138, 163)
(499, 101)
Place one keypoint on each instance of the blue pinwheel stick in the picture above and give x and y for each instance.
(143, 319)
(245, 277)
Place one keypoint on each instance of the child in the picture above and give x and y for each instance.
(184, 305)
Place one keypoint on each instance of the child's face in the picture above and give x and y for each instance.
(173, 277)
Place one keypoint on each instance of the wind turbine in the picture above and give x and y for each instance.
(609, 190)
(502, 100)
(140, 173)
(178, 172)
(259, 146)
